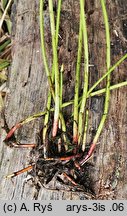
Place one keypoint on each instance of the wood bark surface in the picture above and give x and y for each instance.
(28, 89)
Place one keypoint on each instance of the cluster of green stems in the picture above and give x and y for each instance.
(80, 112)
(55, 78)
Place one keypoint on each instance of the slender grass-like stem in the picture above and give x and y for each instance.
(4, 14)
(108, 57)
(86, 69)
(55, 61)
(61, 86)
(109, 71)
(98, 92)
(57, 33)
(58, 21)
(62, 121)
(33, 117)
(43, 50)
(77, 82)
(46, 120)
(107, 93)
(101, 91)
(61, 97)
(49, 76)
(85, 130)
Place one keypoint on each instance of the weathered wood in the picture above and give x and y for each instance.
(28, 94)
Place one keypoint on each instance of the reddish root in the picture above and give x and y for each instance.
(70, 179)
(20, 171)
(92, 147)
(65, 158)
(29, 145)
(13, 129)
(70, 157)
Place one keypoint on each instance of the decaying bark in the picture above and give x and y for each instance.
(28, 94)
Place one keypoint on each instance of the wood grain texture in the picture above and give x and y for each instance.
(28, 94)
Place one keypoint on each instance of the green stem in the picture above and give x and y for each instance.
(4, 14)
(108, 57)
(33, 117)
(86, 69)
(55, 61)
(77, 82)
(46, 120)
(43, 50)
(98, 92)
(101, 91)
(109, 71)
(58, 21)
(107, 95)
(85, 131)
(62, 122)
(61, 86)
(48, 76)
(61, 96)
(49, 94)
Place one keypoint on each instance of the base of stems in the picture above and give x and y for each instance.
(55, 128)
(75, 139)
